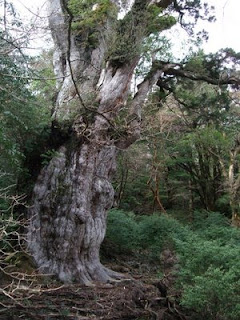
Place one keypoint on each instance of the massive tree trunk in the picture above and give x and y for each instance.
(70, 201)
(73, 192)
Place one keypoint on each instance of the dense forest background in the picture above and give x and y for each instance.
(176, 213)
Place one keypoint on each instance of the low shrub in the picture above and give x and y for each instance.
(208, 252)
(122, 230)
(214, 294)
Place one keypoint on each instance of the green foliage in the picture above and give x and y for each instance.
(48, 156)
(158, 232)
(20, 117)
(23, 118)
(44, 89)
(149, 233)
(122, 230)
(140, 23)
(130, 182)
(155, 42)
(203, 104)
(88, 19)
(126, 42)
(209, 273)
(208, 253)
(193, 151)
(214, 294)
(200, 158)
(156, 22)
(135, 192)
(13, 119)
(90, 14)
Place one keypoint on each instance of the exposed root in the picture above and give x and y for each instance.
(115, 276)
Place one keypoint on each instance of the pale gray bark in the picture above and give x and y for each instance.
(69, 213)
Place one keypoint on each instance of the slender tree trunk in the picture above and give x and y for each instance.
(190, 200)
(123, 177)
(154, 181)
(231, 174)
(234, 183)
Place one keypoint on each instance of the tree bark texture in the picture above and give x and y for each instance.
(234, 182)
(69, 213)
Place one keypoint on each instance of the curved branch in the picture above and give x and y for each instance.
(134, 117)
(177, 70)
(198, 77)
(160, 68)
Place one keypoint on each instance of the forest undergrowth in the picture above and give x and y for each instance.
(172, 270)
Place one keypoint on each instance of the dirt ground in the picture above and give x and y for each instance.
(141, 295)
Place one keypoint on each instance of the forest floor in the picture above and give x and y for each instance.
(140, 295)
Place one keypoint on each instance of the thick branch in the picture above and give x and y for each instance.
(197, 77)
(177, 70)
(134, 119)
(155, 76)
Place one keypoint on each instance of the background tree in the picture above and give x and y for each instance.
(191, 126)
(22, 118)
(22, 123)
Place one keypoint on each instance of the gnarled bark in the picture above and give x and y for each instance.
(69, 213)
